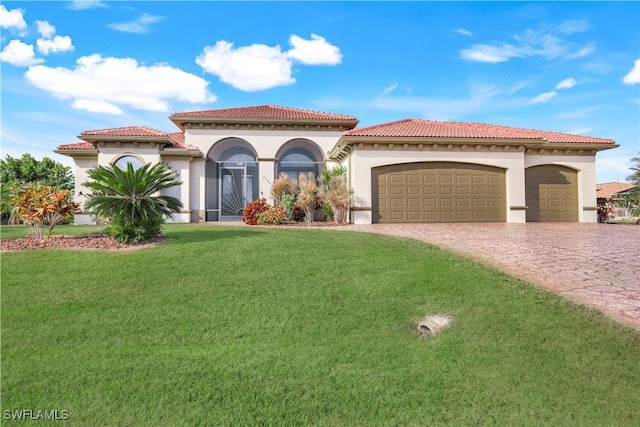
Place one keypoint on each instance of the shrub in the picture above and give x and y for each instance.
(253, 209)
(605, 209)
(288, 202)
(273, 216)
(37, 205)
(128, 199)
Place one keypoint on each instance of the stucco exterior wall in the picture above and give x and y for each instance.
(586, 167)
(183, 192)
(82, 166)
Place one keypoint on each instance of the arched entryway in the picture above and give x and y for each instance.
(231, 173)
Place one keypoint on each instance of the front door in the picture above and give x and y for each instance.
(236, 192)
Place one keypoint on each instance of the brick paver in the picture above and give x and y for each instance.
(597, 265)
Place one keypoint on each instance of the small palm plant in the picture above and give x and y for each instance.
(129, 199)
(338, 196)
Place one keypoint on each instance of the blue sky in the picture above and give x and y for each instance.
(70, 66)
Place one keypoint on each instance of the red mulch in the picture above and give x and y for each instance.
(90, 241)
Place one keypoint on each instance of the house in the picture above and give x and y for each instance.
(403, 171)
(614, 191)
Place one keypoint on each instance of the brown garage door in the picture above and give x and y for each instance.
(551, 193)
(438, 192)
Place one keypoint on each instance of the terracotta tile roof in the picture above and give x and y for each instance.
(432, 129)
(177, 139)
(264, 112)
(125, 131)
(77, 146)
(609, 189)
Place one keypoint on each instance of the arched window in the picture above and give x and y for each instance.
(297, 161)
(123, 161)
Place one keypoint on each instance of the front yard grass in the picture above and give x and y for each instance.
(223, 325)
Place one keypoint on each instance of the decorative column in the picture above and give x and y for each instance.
(267, 170)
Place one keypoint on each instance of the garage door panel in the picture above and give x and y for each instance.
(449, 192)
(551, 193)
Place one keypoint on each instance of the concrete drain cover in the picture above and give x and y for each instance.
(433, 324)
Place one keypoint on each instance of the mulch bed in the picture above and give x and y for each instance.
(90, 241)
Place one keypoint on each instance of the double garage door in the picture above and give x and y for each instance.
(438, 192)
(461, 192)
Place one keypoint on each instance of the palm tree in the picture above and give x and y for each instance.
(129, 199)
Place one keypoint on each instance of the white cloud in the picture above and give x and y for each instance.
(103, 85)
(85, 4)
(248, 68)
(12, 19)
(567, 83)
(141, 25)
(633, 76)
(45, 29)
(544, 97)
(19, 54)
(547, 41)
(259, 67)
(581, 53)
(316, 51)
(464, 32)
(57, 44)
(389, 89)
(491, 54)
(573, 26)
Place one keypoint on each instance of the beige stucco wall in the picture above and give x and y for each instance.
(586, 167)
(362, 161)
(183, 192)
(82, 166)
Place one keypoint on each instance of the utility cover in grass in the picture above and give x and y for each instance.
(433, 324)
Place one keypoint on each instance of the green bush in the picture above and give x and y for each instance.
(273, 216)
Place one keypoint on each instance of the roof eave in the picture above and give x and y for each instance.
(76, 152)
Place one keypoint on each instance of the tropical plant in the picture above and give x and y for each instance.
(308, 195)
(15, 172)
(283, 185)
(288, 202)
(273, 216)
(630, 200)
(129, 199)
(635, 171)
(338, 196)
(37, 205)
(253, 210)
(605, 208)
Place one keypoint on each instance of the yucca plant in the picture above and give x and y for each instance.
(129, 199)
(338, 196)
(281, 186)
(308, 195)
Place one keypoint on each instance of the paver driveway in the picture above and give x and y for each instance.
(594, 264)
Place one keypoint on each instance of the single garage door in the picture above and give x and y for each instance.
(551, 193)
(438, 192)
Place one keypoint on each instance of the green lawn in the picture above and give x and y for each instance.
(222, 325)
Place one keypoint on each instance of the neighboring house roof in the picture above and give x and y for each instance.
(610, 189)
(433, 129)
(264, 115)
